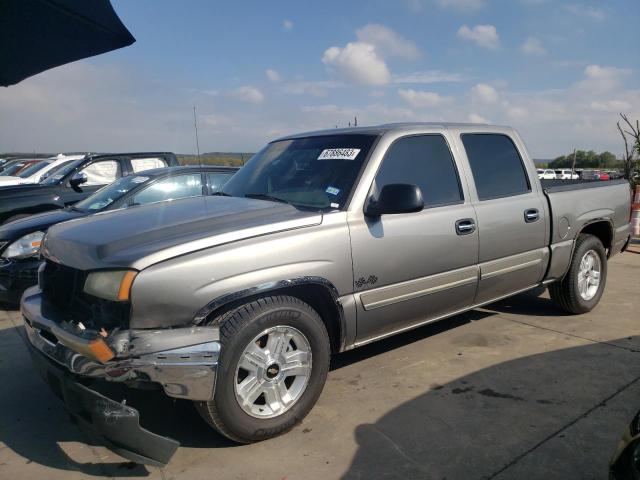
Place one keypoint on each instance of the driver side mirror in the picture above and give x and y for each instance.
(78, 179)
(396, 198)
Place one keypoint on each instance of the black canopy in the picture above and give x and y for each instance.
(36, 35)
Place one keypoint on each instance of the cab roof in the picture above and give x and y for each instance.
(395, 127)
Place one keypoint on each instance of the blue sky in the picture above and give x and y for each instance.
(559, 71)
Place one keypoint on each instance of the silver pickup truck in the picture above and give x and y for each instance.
(323, 242)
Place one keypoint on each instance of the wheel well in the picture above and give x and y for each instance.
(602, 230)
(317, 296)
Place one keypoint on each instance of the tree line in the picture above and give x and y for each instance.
(587, 159)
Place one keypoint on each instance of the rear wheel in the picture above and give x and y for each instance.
(582, 287)
(273, 365)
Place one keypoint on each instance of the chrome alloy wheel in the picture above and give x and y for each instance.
(589, 275)
(273, 372)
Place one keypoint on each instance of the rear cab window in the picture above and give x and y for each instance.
(496, 165)
(217, 180)
(142, 164)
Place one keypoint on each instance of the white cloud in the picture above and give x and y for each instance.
(483, 93)
(533, 46)
(272, 75)
(610, 106)
(287, 24)
(485, 36)
(387, 42)
(359, 63)
(516, 113)
(600, 79)
(475, 118)
(247, 93)
(428, 76)
(422, 99)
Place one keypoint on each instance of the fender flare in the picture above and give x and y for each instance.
(223, 301)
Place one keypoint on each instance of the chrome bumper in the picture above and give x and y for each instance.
(182, 360)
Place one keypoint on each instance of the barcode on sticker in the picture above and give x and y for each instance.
(339, 154)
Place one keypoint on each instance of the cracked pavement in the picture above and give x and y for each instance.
(510, 391)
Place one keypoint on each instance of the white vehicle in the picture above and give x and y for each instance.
(38, 172)
(546, 174)
(566, 174)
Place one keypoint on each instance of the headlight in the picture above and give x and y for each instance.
(27, 246)
(111, 285)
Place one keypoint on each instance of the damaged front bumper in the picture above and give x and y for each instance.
(116, 423)
(183, 361)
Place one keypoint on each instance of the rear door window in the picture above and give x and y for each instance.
(142, 164)
(425, 161)
(496, 165)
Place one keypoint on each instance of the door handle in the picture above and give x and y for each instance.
(465, 226)
(531, 215)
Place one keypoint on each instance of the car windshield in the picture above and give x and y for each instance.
(54, 178)
(111, 193)
(54, 169)
(312, 172)
(33, 168)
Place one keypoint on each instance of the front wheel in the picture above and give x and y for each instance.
(582, 287)
(273, 365)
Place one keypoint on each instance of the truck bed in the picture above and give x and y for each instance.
(555, 185)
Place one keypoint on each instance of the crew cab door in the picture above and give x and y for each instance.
(511, 213)
(413, 267)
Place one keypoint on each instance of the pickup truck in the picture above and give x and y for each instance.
(75, 181)
(321, 243)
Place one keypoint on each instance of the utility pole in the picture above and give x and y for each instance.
(355, 121)
(573, 165)
(195, 126)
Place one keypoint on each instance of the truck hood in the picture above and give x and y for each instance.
(142, 236)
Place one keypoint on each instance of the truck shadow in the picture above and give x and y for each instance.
(557, 414)
(530, 303)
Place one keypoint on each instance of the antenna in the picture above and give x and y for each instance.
(195, 126)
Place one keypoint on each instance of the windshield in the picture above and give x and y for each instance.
(54, 178)
(55, 168)
(109, 194)
(31, 169)
(313, 172)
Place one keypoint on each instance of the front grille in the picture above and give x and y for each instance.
(64, 300)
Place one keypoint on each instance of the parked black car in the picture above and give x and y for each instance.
(76, 181)
(20, 239)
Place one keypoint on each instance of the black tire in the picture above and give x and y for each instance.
(237, 329)
(16, 217)
(565, 293)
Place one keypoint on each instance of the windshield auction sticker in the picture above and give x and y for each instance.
(339, 154)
